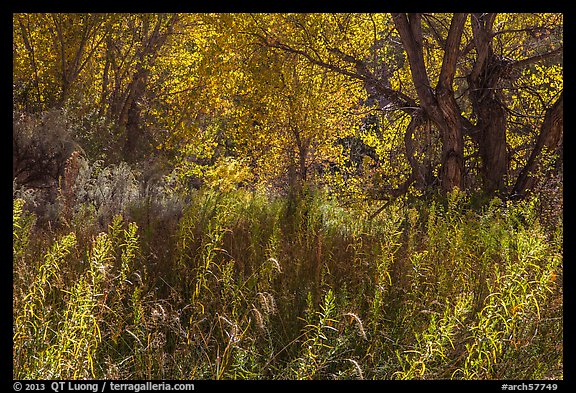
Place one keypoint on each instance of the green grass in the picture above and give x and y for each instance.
(249, 286)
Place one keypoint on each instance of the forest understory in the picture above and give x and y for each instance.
(288, 196)
(243, 285)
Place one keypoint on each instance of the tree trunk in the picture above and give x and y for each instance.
(302, 146)
(422, 172)
(492, 148)
(440, 105)
(452, 173)
(490, 129)
(490, 133)
(550, 138)
(133, 126)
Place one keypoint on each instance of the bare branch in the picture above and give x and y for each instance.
(534, 59)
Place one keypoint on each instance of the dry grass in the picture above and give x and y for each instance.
(247, 286)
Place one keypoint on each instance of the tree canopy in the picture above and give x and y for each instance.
(376, 104)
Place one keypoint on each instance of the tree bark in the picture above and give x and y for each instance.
(439, 104)
(550, 138)
(419, 171)
(133, 126)
(451, 129)
(490, 129)
(131, 111)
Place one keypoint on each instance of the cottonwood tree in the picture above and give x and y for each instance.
(98, 66)
(456, 72)
(472, 101)
(273, 108)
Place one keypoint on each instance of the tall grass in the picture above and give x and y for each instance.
(251, 286)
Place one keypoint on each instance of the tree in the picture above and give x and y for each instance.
(87, 61)
(59, 51)
(439, 104)
(441, 100)
(550, 139)
(272, 107)
(471, 98)
(130, 57)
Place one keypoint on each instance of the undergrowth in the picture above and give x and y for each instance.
(243, 285)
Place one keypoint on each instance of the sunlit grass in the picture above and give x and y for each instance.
(260, 287)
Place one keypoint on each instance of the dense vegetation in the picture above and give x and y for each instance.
(248, 286)
(287, 196)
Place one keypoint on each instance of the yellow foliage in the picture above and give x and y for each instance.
(227, 174)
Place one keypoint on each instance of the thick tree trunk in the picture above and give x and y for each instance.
(452, 173)
(440, 105)
(490, 133)
(492, 147)
(451, 129)
(490, 129)
(550, 138)
(422, 171)
(417, 169)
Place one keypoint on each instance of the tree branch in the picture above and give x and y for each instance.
(482, 33)
(534, 59)
(400, 99)
(550, 135)
(451, 51)
(411, 35)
